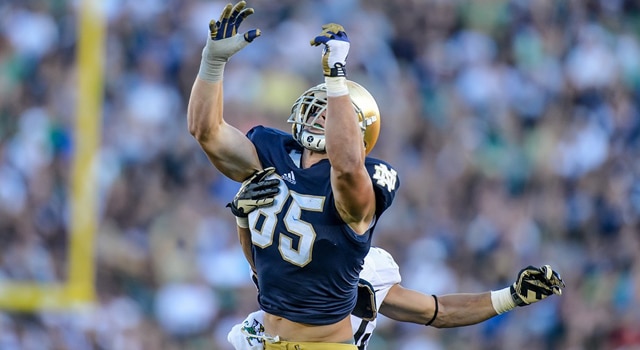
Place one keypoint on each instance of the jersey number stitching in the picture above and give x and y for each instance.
(263, 237)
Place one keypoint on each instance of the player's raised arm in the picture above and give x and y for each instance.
(350, 181)
(227, 147)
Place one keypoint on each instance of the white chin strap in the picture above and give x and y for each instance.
(313, 142)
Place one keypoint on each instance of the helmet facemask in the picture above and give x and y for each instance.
(312, 103)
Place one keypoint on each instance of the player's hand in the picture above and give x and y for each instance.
(225, 39)
(336, 48)
(534, 284)
(255, 192)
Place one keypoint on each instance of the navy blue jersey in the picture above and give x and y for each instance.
(308, 260)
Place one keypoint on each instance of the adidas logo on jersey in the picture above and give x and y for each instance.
(289, 177)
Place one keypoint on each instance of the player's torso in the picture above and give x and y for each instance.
(302, 233)
(307, 259)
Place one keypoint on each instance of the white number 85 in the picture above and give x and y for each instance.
(263, 237)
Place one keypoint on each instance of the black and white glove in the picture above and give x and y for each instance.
(534, 284)
(255, 192)
(336, 48)
(224, 40)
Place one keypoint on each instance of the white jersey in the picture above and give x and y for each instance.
(379, 269)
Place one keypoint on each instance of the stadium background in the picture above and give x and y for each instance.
(514, 126)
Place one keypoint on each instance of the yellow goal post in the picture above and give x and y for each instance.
(79, 288)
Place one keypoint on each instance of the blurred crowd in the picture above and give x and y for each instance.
(514, 125)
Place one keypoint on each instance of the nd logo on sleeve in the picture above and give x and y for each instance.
(386, 177)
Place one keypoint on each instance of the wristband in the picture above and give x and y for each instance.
(336, 86)
(502, 301)
(242, 222)
(210, 71)
(435, 314)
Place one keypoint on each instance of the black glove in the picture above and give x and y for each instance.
(255, 192)
(534, 284)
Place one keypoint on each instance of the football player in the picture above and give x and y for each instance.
(309, 247)
(380, 289)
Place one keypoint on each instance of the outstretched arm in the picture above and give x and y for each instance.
(454, 310)
(464, 309)
(352, 187)
(227, 147)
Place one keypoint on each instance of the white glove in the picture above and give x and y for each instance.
(336, 48)
(225, 41)
(534, 284)
(248, 335)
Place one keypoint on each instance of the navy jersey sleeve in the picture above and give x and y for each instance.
(262, 137)
(385, 183)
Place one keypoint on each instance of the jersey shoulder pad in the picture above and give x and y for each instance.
(270, 144)
(384, 176)
(385, 182)
(380, 269)
(263, 135)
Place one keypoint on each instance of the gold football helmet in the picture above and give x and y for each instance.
(310, 105)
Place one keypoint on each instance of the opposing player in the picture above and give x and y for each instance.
(380, 287)
(309, 246)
